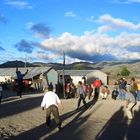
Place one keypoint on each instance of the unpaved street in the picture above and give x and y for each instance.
(22, 118)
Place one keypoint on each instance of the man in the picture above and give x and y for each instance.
(97, 84)
(133, 86)
(81, 94)
(50, 102)
(20, 81)
(130, 101)
(122, 87)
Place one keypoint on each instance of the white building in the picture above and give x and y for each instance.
(90, 75)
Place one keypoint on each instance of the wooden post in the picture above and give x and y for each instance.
(64, 95)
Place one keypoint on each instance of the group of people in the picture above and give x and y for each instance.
(129, 92)
(122, 84)
(71, 90)
(51, 100)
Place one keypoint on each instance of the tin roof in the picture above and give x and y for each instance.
(76, 72)
(33, 71)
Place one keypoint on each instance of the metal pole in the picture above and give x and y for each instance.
(64, 74)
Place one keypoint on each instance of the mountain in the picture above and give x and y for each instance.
(108, 66)
(13, 64)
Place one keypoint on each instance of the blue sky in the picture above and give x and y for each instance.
(86, 30)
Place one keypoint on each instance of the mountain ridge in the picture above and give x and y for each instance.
(106, 66)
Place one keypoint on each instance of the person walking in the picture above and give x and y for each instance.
(130, 101)
(133, 86)
(138, 92)
(81, 94)
(51, 102)
(122, 87)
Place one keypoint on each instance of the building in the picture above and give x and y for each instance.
(37, 77)
(90, 75)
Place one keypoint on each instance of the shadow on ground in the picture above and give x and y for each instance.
(120, 128)
(42, 132)
(19, 106)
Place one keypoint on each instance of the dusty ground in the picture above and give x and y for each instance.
(23, 119)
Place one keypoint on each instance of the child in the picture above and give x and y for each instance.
(105, 92)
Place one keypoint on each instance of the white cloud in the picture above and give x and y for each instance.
(90, 45)
(116, 23)
(129, 40)
(95, 45)
(19, 4)
(105, 28)
(70, 14)
(46, 56)
(125, 1)
(54, 57)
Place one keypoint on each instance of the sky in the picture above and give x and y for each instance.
(85, 30)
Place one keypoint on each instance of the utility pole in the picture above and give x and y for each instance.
(64, 75)
(16, 65)
(25, 61)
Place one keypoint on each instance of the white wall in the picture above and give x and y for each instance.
(3, 78)
(76, 79)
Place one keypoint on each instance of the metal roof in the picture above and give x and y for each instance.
(33, 71)
(76, 72)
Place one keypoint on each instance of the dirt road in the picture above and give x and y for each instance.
(23, 119)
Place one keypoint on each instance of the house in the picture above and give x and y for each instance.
(90, 75)
(37, 77)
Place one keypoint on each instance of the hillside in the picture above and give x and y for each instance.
(113, 68)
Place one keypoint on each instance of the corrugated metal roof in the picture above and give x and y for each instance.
(33, 71)
(76, 72)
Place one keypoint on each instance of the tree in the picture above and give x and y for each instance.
(78, 67)
(125, 72)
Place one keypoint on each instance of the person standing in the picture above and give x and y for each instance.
(81, 94)
(130, 101)
(50, 102)
(138, 92)
(51, 86)
(20, 81)
(133, 86)
(97, 84)
(122, 87)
